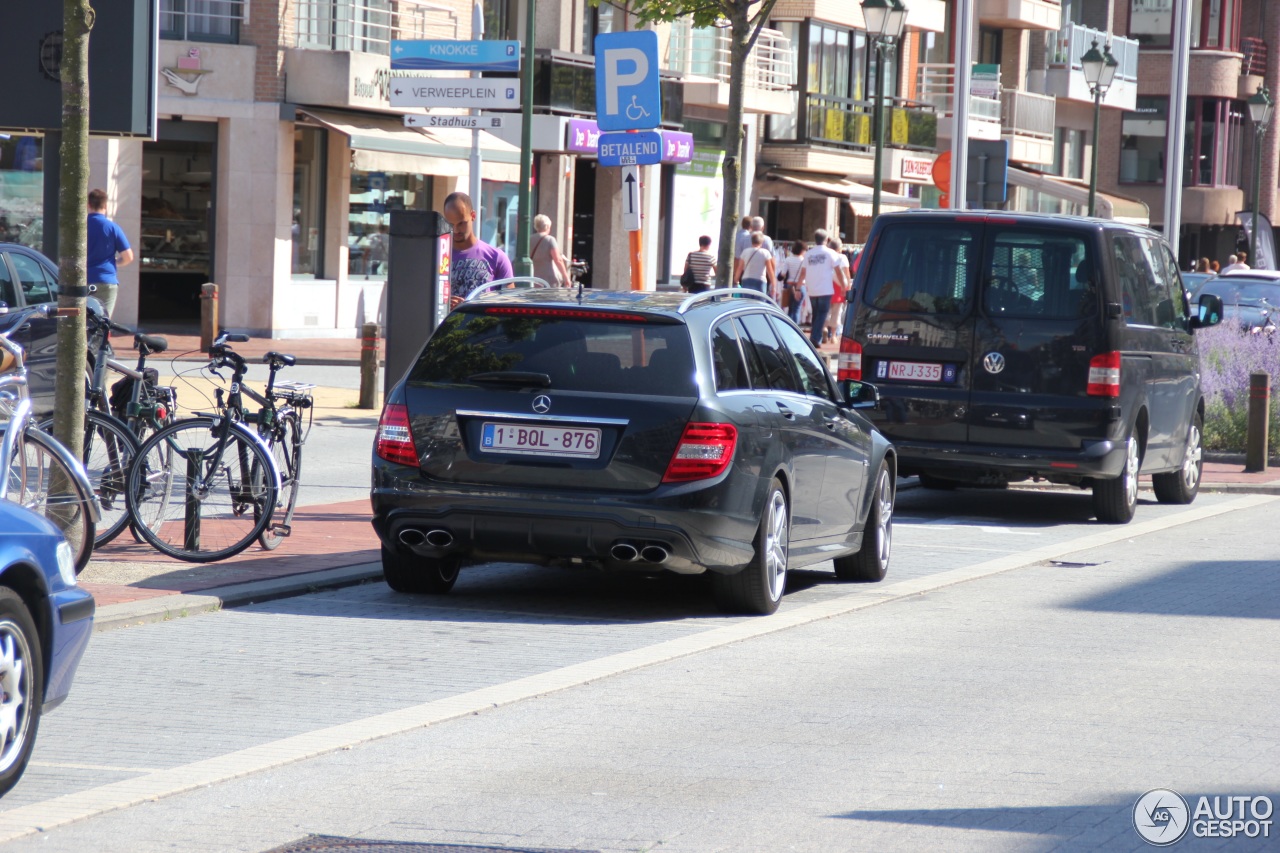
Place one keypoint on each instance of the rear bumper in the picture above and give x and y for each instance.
(1101, 459)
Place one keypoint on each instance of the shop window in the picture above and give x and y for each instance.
(201, 20)
(1068, 153)
(1143, 137)
(21, 191)
(1215, 24)
(604, 18)
(372, 197)
(308, 201)
(499, 20)
(1213, 143)
(499, 216)
(786, 126)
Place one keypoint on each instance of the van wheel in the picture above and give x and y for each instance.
(1181, 487)
(1116, 500)
(418, 575)
(872, 560)
(758, 588)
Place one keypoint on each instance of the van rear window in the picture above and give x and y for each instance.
(1045, 273)
(576, 355)
(919, 268)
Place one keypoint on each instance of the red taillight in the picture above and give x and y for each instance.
(705, 450)
(564, 313)
(395, 440)
(162, 414)
(849, 365)
(1104, 375)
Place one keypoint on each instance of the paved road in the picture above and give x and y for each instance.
(1019, 679)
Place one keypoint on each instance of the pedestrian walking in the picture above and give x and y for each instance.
(474, 262)
(839, 291)
(757, 227)
(108, 250)
(818, 275)
(742, 241)
(548, 263)
(793, 292)
(699, 267)
(1202, 265)
(1238, 261)
(754, 269)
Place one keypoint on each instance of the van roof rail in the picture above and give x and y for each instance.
(724, 292)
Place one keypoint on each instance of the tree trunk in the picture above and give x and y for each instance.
(739, 46)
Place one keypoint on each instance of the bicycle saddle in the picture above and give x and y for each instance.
(279, 359)
(154, 343)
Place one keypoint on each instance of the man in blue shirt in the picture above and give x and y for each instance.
(108, 251)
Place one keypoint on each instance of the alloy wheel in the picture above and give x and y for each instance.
(776, 541)
(1191, 465)
(15, 689)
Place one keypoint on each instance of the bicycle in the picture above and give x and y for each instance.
(36, 471)
(204, 488)
(280, 426)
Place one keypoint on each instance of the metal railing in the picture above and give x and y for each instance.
(846, 123)
(369, 26)
(705, 52)
(1028, 114)
(1255, 56)
(1074, 41)
(202, 20)
(934, 84)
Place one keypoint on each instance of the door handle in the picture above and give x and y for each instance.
(786, 413)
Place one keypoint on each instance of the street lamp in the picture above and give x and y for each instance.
(885, 21)
(1099, 70)
(1260, 112)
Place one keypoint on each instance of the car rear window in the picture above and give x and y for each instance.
(923, 268)
(576, 354)
(1045, 273)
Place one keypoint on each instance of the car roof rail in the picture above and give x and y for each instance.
(731, 292)
(499, 283)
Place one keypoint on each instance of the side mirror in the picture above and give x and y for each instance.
(860, 395)
(1208, 311)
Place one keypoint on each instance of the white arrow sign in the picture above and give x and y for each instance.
(631, 198)
(482, 94)
(477, 122)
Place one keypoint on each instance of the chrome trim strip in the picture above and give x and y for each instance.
(512, 416)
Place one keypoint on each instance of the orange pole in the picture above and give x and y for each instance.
(637, 257)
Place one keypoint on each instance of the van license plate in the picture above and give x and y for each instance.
(915, 371)
(577, 442)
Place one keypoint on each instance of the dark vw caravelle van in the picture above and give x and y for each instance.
(1011, 346)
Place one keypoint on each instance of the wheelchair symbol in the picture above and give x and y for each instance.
(635, 112)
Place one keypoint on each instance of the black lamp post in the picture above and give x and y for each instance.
(1260, 112)
(885, 21)
(1099, 70)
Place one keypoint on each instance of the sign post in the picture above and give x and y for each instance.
(629, 98)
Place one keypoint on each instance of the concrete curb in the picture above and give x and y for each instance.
(168, 607)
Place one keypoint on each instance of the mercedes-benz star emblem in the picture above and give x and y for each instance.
(542, 404)
(994, 362)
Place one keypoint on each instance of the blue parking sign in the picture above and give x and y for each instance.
(628, 96)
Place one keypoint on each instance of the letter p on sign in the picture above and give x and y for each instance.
(628, 96)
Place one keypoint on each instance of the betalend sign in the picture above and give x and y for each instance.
(630, 149)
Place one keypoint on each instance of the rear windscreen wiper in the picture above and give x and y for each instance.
(512, 377)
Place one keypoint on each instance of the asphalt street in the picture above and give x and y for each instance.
(1021, 677)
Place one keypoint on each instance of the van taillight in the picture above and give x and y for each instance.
(849, 365)
(705, 450)
(1104, 375)
(395, 439)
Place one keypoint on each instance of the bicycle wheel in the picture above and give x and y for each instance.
(286, 449)
(196, 498)
(109, 448)
(40, 481)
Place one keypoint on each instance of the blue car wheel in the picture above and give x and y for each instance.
(21, 687)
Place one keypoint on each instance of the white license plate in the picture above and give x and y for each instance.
(577, 442)
(915, 371)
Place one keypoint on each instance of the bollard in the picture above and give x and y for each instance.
(208, 315)
(369, 366)
(1255, 446)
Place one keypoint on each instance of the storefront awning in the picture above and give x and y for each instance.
(786, 185)
(1110, 206)
(384, 144)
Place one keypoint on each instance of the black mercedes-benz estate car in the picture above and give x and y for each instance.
(629, 430)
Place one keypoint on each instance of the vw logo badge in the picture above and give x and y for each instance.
(994, 362)
(542, 404)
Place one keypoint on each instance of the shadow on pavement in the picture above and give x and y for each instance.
(1240, 589)
(1022, 507)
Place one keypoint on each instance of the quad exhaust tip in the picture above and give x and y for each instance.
(624, 552)
(654, 554)
(439, 538)
(414, 537)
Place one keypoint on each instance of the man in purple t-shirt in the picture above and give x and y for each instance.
(474, 262)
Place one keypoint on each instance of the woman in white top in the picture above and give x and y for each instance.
(548, 263)
(789, 279)
(755, 267)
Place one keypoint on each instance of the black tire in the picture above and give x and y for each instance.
(872, 560)
(286, 448)
(40, 481)
(418, 575)
(929, 481)
(21, 687)
(109, 449)
(175, 518)
(1181, 487)
(759, 587)
(1116, 500)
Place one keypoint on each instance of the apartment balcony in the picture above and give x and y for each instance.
(211, 21)
(935, 83)
(702, 58)
(1027, 124)
(369, 26)
(1065, 77)
(930, 15)
(1020, 14)
(834, 135)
